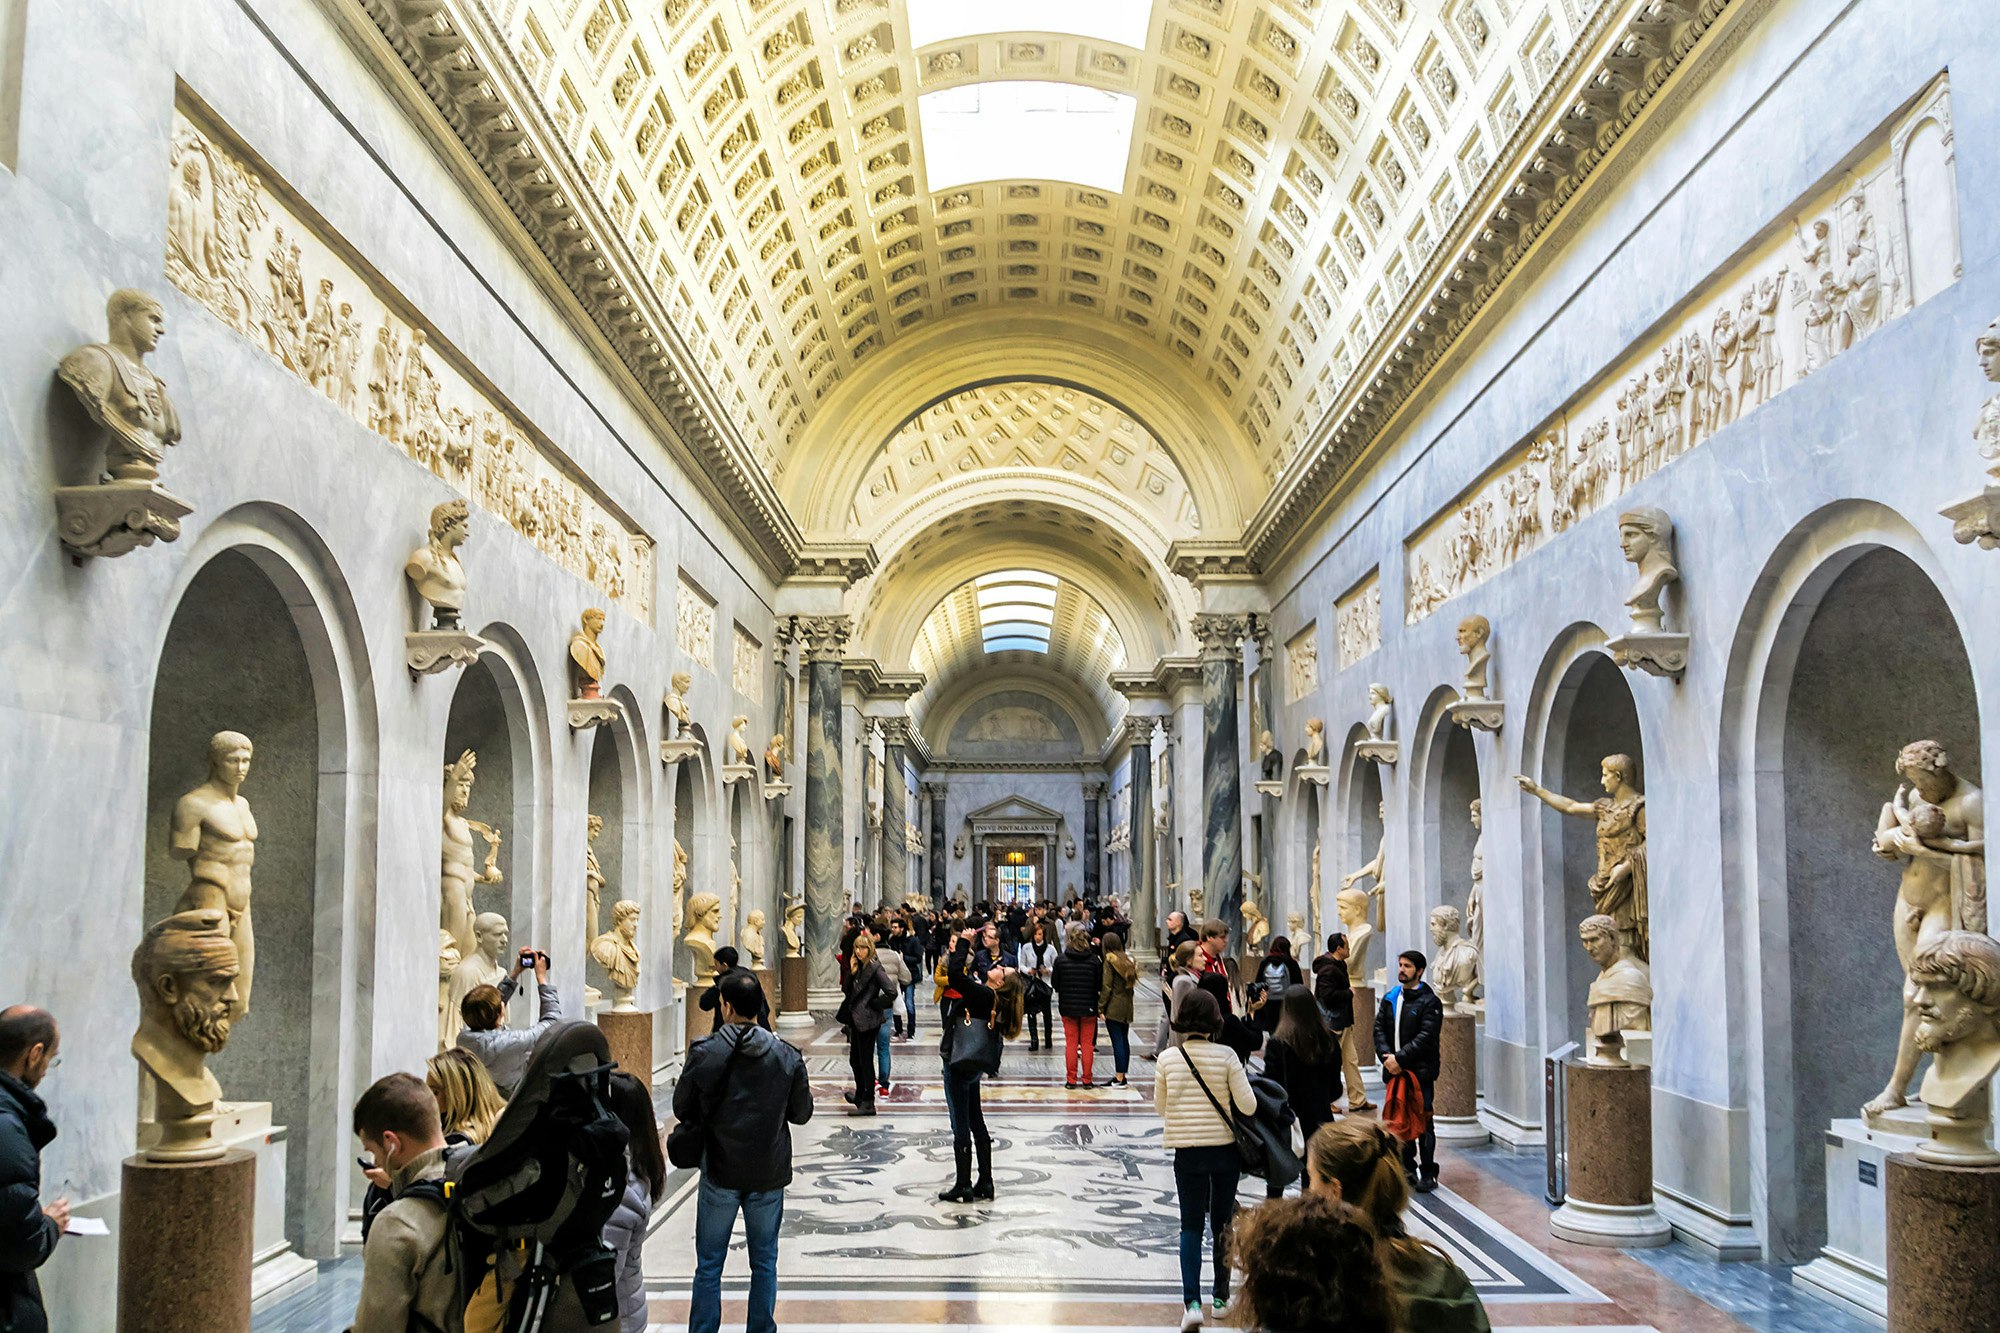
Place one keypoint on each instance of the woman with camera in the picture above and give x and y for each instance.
(985, 1014)
(869, 995)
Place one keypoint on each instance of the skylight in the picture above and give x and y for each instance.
(1026, 130)
(1121, 21)
(1016, 609)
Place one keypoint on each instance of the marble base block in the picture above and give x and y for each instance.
(1610, 1153)
(1944, 1245)
(185, 1245)
(794, 1013)
(700, 1021)
(1656, 652)
(1364, 1028)
(277, 1269)
(1853, 1267)
(769, 981)
(1456, 1114)
(629, 1034)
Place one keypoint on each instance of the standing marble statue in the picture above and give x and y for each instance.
(753, 938)
(680, 885)
(1372, 870)
(617, 952)
(215, 833)
(704, 917)
(1455, 962)
(1646, 536)
(1955, 978)
(1621, 997)
(434, 569)
(1474, 635)
(1354, 906)
(186, 972)
(677, 706)
(1313, 896)
(1618, 888)
(1475, 900)
(795, 924)
(593, 877)
(1936, 826)
(586, 657)
(1986, 431)
(455, 873)
(483, 965)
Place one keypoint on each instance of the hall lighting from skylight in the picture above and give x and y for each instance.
(1121, 21)
(1026, 130)
(1016, 608)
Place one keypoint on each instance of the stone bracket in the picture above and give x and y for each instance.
(1385, 753)
(1655, 652)
(587, 713)
(1313, 775)
(1270, 787)
(734, 773)
(777, 791)
(679, 750)
(429, 651)
(1976, 519)
(115, 517)
(1478, 714)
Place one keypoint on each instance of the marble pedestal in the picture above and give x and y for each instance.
(1456, 1115)
(700, 1021)
(793, 1012)
(277, 1270)
(769, 981)
(1853, 1267)
(1364, 1031)
(629, 1034)
(184, 1253)
(1610, 1153)
(1944, 1245)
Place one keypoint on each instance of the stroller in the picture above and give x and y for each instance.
(545, 1182)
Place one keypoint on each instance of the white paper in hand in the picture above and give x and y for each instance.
(87, 1226)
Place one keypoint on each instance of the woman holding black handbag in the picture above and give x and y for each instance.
(1194, 1085)
(1038, 961)
(869, 996)
(987, 1014)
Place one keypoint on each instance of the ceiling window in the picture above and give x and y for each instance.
(1121, 21)
(1026, 130)
(1016, 609)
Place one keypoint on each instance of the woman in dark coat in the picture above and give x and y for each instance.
(861, 1017)
(1079, 975)
(1303, 1057)
(993, 998)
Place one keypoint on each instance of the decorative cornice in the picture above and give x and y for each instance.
(898, 685)
(845, 563)
(1202, 561)
(863, 674)
(1610, 76)
(480, 95)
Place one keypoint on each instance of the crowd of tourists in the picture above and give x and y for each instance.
(1249, 1076)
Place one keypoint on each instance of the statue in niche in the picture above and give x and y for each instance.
(1955, 978)
(1475, 900)
(1381, 705)
(704, 916)
(482, 965)
(617, 952)
(676, 704)
(1373, 870)
(1355, 907)
(593, 876)
(795, 925)
(1618, 888)
(1936, 826)
(216, 834)
(680, 883)
(1621, 998)
(434, 570)
(1646, 536)
(186, 972)
(1295, 924)
(774, 758)
(586, 658)
(1315, 741)
(111, 380)
(1313, 897)
(1256, 926)
(1986, 431)
(456, 874)
(448, 960)
(1474, 632)
(753, 938)
(1455, 962)
(739, 746)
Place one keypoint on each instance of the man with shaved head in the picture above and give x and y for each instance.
(28, 1229)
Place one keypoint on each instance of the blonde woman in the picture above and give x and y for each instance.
(862, 1015)
(468, 1103)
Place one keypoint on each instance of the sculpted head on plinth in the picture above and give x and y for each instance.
(1352, 905)
(1957, 979)
(682, 682)
(756, 919)
(704, 914)
(448, 525)
(625, 918)
(1600, 939)
(491, 930)
(1445, 922)
(185, 970)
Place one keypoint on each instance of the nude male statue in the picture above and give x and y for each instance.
(215, 833)
(456, 874)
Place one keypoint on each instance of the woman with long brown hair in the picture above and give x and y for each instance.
(1359, 1162)
(861, 1014)
(1303, 1057)
(995, 1002)
(1312, 1263)
(1115, 998)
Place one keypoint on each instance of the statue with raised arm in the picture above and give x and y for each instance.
(1373, 870)
(456, 873)
(215, 833)
(433, 569)
(1935, 825)
(617, 952)
(1618, 888)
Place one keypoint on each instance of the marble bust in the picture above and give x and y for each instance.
(216, 834)
(1381, 705)
(739, 746)
(433, 569)
(1353, 905)
(1256, 927)
(1270, 763)
(704, 918)
(1315, 741)
(753, 938)
(1646, 536)
(482, 965)
(617, 952)
(110, 379)
(1618, 888)
(185, 969)
(1986, 432)
(774, 758)
(1455, 962)
(586, 658)
(795, 924)
(1473, 635)
(1621, 998)
(1955, 982)
(676, 702)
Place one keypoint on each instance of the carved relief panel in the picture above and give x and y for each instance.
(746, 671)
(1302, 664)
(1358, 620)
(694, 624)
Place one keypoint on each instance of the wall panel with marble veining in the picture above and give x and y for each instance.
(1871, 241)
(262, 261)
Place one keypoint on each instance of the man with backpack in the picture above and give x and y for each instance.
(1408, 1023)
(406, 1284)
(744, 1089)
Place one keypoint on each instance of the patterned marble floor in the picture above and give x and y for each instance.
(1083, 1233)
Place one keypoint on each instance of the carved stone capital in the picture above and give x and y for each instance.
(1140, 729)
(896, 731)
(1220, 633)
(1094, 791)
(825, 637)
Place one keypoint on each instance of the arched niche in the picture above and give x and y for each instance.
(1852, 653)
(1448, 784)
(610, 776)
(252, 647)
(691, 830)
(1303, 837)
(1362, 824)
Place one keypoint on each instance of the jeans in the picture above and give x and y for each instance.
(1121, 1044)
(714, 1220)
(861, 1063)
(909, 1008)
(961, 1104)
(882, 1052)
(1205, 1180)
(1079, 1047)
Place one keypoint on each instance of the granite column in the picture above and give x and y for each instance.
(895, 813)
(1222, 770)
(934, 795)
(826, 834)
(1145, 905)
(1093, 839)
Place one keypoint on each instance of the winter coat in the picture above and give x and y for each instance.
(895, 968)
(27, 1235)
(1078, 975)
(625, 1233)
(862, 1015)
(1114, 993)
(1333, 991)
(749, 1134)
(1411, 1035)
(404, 1270)
(1189, 1116)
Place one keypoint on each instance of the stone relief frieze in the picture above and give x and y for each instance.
(1871, 244)
(1302, 664)
(694, 624)
(239, 245)
(1358, 621)
(746, 671)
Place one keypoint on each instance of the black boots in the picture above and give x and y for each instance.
(984, 1189)
(961, 1190)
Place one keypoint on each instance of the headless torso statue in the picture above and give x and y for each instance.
(215, 833)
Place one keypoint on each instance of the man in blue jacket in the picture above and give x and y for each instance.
(28, 1229)
(1407, 1026)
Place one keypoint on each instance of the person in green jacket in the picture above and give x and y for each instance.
(1114, 1000)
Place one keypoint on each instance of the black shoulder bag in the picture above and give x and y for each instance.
(688, 1139)
(1263, 1150)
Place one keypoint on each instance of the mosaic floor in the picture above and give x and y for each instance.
(1083, 1233)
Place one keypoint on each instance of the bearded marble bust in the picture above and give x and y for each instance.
(186, 971)
(1956, 988)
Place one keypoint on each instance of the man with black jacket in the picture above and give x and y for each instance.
(1408, 1023)
(746, 1088)
(910, 944)
(28, 1228)
(727, 960)
(1335, 993)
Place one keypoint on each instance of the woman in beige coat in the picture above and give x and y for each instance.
(1192, 1086)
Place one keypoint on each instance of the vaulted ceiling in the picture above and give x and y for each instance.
(1024, 622)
